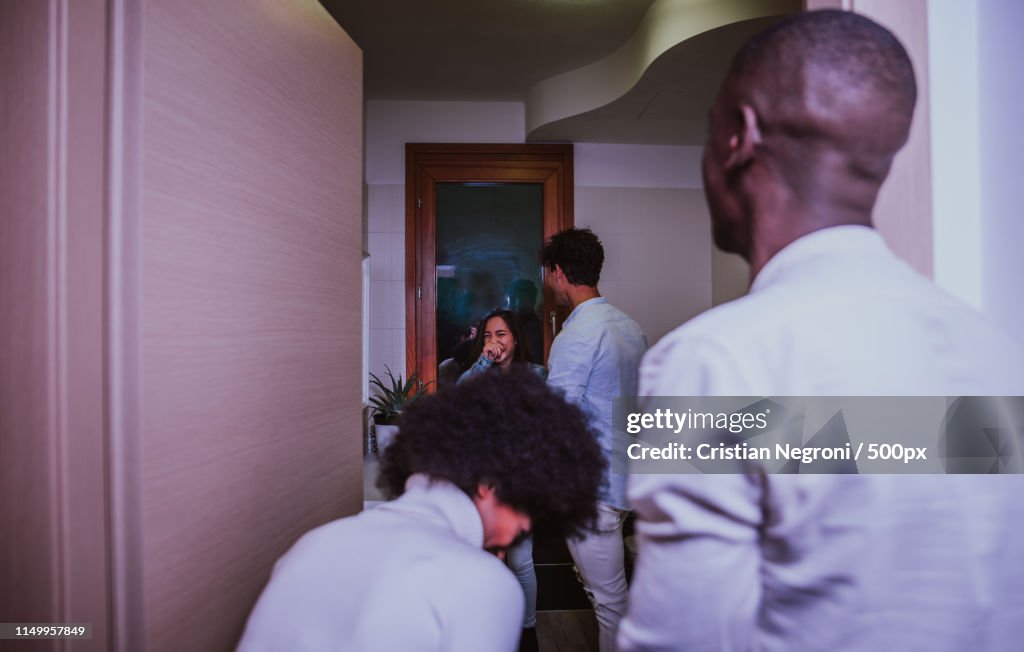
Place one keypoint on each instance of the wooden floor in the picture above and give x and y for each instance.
(567, 631)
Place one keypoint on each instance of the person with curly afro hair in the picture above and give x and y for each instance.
(473, 468)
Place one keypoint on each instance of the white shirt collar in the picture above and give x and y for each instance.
(836, 239)
(579, 307)
(441, 502)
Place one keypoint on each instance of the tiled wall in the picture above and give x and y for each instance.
(386, 240)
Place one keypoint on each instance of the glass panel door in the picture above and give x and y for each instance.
(476, 218)
(488, 237)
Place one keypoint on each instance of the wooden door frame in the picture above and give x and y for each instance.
(429, 163)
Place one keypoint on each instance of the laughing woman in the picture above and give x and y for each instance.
(499, 345)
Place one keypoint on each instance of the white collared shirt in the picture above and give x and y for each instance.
(835, 314)
(830, 562)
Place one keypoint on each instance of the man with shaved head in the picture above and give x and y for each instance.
(803, 133)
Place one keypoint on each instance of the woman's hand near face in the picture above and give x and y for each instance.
(494, 351)
(505, 356)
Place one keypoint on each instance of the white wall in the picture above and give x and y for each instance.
(390, 125)
(1001, 95)
(956, 174)
(976, 137)
(683, 261)
(644, 202)
(386, 225)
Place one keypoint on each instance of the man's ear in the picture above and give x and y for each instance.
(743, 144)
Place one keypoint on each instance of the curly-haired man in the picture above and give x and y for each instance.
(594, 360)
(475, 466)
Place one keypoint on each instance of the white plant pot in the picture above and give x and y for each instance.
(385, 435)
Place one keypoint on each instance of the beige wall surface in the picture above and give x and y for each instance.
(251, 309)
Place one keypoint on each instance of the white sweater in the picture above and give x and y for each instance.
(408, 575)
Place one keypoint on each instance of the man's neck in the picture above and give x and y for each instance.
(577, 294)
(778, 215)
(779, 231)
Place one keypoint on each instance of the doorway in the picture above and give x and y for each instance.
(476, 219)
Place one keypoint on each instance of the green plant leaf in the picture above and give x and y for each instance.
(393, 394)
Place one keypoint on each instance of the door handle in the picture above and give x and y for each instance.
(554, 324)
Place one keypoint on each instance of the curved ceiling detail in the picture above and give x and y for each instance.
(678, 41)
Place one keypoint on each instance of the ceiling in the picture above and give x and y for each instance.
(521, 50)
(479, 49)
(669, 104)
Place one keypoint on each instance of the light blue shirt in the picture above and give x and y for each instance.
(594, 360)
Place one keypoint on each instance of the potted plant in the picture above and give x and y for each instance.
(390, 399)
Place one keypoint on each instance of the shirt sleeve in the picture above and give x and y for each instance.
(540, 370)
(569, 366)
(696, 585)
(482, 365)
